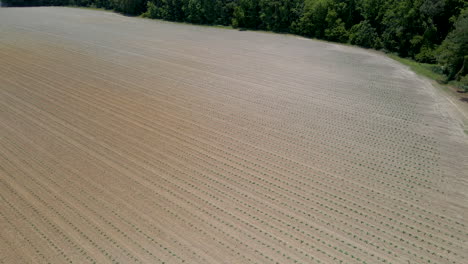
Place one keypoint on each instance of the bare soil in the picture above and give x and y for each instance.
(126, 140)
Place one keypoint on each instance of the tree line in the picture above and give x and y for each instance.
(430, 31)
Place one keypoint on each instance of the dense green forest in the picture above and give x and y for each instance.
(430, 31)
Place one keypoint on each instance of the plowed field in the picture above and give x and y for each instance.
(126, 140)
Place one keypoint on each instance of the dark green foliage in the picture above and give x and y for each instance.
(83, 2)
(194, 10)
(350, 13)
(246, 14)
(36, 2)
(131, 7)
(428, 31)
(165, 9)
(227, 12)
(426, 54)
(277, 15)
(453, 53)
(155, 11)
(401, 25)
(311, 22)
(202, 11)
(102, 4)
(364, 35)
(335, 27)
(373, 11)
(464, 83)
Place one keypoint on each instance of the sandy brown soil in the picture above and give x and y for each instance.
(124, 140)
